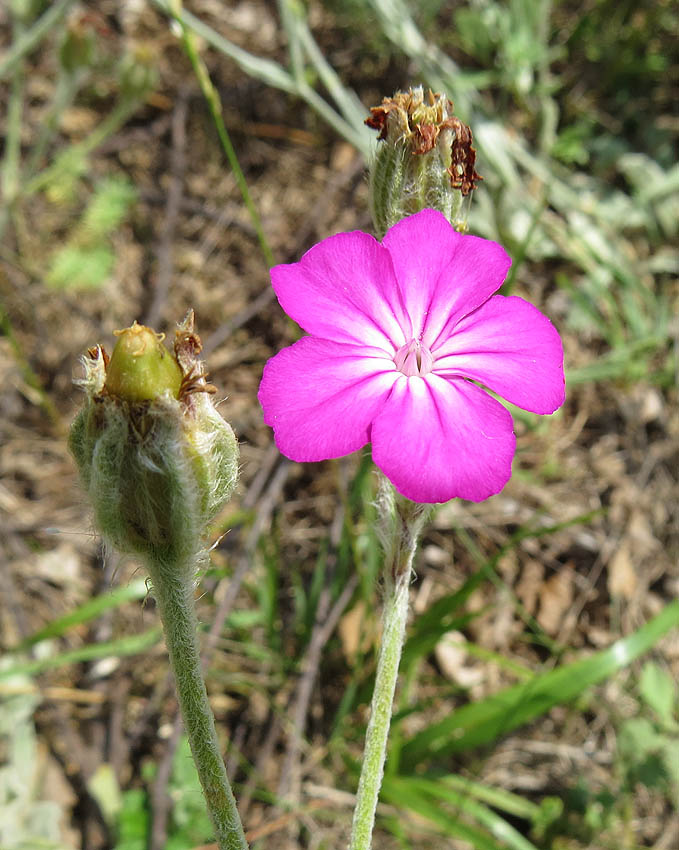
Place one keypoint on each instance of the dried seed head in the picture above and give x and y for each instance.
(425, 159)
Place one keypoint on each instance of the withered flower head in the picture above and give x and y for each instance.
(424, 160)
(425, 122)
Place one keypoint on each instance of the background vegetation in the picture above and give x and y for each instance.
(157, 158)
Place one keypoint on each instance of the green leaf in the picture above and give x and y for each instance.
(641, 749)
(402, 793)
(190, 822)
(87, 611)
(103, 786)
(463, 803)
(86, 260)
(108, 208)
(498, 798)
(442, 616)
(670, 757)
(129, 645)
(26, 821)
(637, 738)
(133, 822)
(74, 267)
(658, 691)
(483, 722)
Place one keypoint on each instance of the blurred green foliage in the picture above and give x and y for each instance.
(87, 258)
(27, 819)
(189, 823)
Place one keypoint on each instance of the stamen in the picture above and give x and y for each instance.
(414, 358)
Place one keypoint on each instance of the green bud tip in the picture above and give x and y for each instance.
(156, 458)
(425, 159)
(141, 368)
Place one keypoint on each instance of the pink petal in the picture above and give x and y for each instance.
(443, 274)
(512, 348)
(437, 439)
(320, 397)
(344, 289)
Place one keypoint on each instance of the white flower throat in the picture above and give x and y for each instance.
(414, 358)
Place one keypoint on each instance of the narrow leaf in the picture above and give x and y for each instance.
(130, 645)
(481, 723)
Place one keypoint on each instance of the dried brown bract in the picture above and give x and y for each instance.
(462, 173)
(423, 122)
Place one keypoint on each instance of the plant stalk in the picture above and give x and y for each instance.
(213, 101)
(401, 522)
(173, 590)
(30, 39)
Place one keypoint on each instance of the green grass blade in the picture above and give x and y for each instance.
(88, 611)
(444, 614)
(348, 103)
(424, 641)
(289, 12)
(438, 69)
(130, 645)
(481, 723)
(272, 74)
(405, 794)
(215, 106)
(441, 793)
(629, 362)
(10, 173)
(72, 160)
(498, 798)
(266, 70)
(32, 37)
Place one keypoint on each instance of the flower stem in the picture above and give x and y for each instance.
(173, 590)
(401, 524)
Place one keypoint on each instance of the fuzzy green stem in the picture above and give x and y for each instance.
(394, 622)
(173, 590)
(401, 524)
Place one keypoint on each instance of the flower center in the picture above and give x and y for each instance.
(413, 358)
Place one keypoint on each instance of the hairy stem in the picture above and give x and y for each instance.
(401, 522)
(173, 590)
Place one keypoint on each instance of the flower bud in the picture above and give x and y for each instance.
(78, 48)
(156, 458)
(141, 368)
(424, 160)
(138, 72)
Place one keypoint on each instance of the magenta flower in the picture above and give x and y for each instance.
(401, 334)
